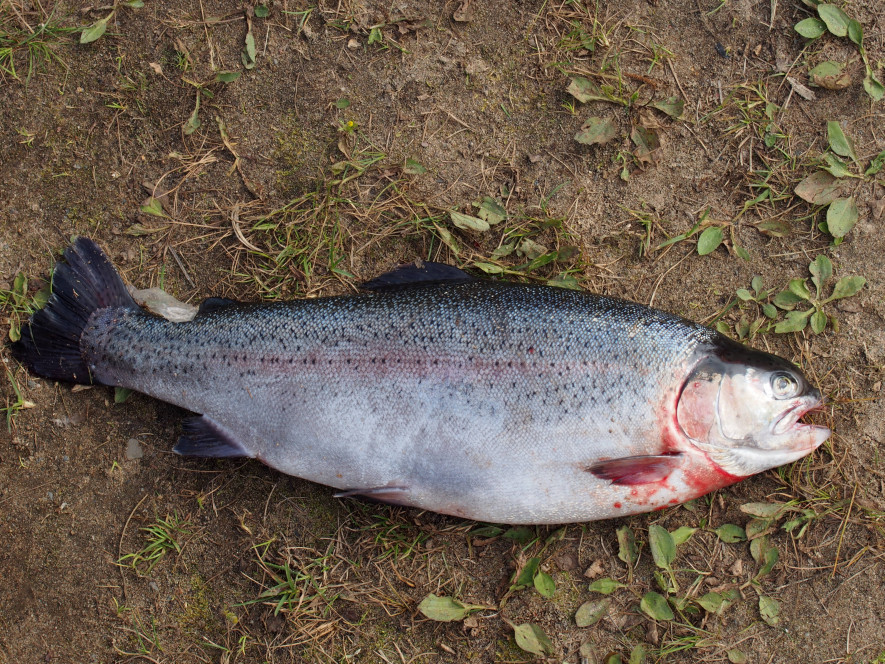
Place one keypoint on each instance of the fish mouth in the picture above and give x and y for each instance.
(790, 422)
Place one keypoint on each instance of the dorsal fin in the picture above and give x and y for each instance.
(419, 273)
(213, 303)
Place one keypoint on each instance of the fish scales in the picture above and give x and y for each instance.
(493, 401)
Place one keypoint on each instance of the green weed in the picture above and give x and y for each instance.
(163, 536)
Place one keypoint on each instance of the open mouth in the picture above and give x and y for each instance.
(791, 420)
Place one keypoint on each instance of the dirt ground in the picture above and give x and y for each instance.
(351, 132)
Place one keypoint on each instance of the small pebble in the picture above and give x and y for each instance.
(133, 449)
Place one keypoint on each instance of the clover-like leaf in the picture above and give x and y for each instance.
(709, 240)
(446, 609)
(730, 533)
(846, 287)
(605, 586)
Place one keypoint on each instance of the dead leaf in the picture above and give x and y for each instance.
(819, 188)
(463, 13)
(648, 119)
(596, 569)
(877, 207)
(647, 143)
(801, 90)
(737, 569)
(156, 67)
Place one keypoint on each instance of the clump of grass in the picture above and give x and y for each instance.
(28, 47)
(163, 536)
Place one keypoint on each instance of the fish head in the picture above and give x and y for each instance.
(743, 407)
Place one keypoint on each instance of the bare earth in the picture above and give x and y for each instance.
(338, 154)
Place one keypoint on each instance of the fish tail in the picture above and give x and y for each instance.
(85, 283)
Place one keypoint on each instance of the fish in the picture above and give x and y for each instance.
(487, 400)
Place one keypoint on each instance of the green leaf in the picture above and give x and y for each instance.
(93, 32)
(193, 122)
(770, 557)
(531, 638)
(504, 250)
(521, 534)
(730, 533)
(736, 656)
(744, 294)
(590, 613)
(596, 130)
(709, 240)
(449, 240)
(769, 310)
(627, 550)
(846, 287)
(819, 188)
(605, 586)
(491, 211)
(774, 227)
(663, 548)
(584, 90)
(413, 167)
(133, 4)
(655, 605)
(247, 57)
(489, 268)
(711, 602)
(835, 19)
(795, 322)
(836, 167)
(830, 75)
(770, 610)
(818, 321)
(763, 510)
(153, 207)
(468, 223)
(261, 11)
(531, 249)
(756, 284)
(821, 269)
(855, 32)
(545, 585)
(121, 394)
(637, 655)
(799, 288)
(342, 103)
(446, 609)
(841, 144)
(487, 531)
(786, 300)
(565, 281)
(810, 28)
(873, 86)
(376, 36)
(527, 573)
(740, 251)
(842, 215)
(227, 76)
(876, 165)
(672, 106)
(682, 534)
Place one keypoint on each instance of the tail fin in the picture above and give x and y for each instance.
(50, 342)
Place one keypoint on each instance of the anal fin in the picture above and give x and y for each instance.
(394, 495)
(635, 470)
(203, 437)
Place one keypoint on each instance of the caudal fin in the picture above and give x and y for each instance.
(84, 283)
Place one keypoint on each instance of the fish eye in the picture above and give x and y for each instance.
(784, 386)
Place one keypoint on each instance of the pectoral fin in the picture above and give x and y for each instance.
(394, 495)
(634, 470)
(204, 437)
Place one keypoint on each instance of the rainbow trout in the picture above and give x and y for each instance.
(487, 400)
